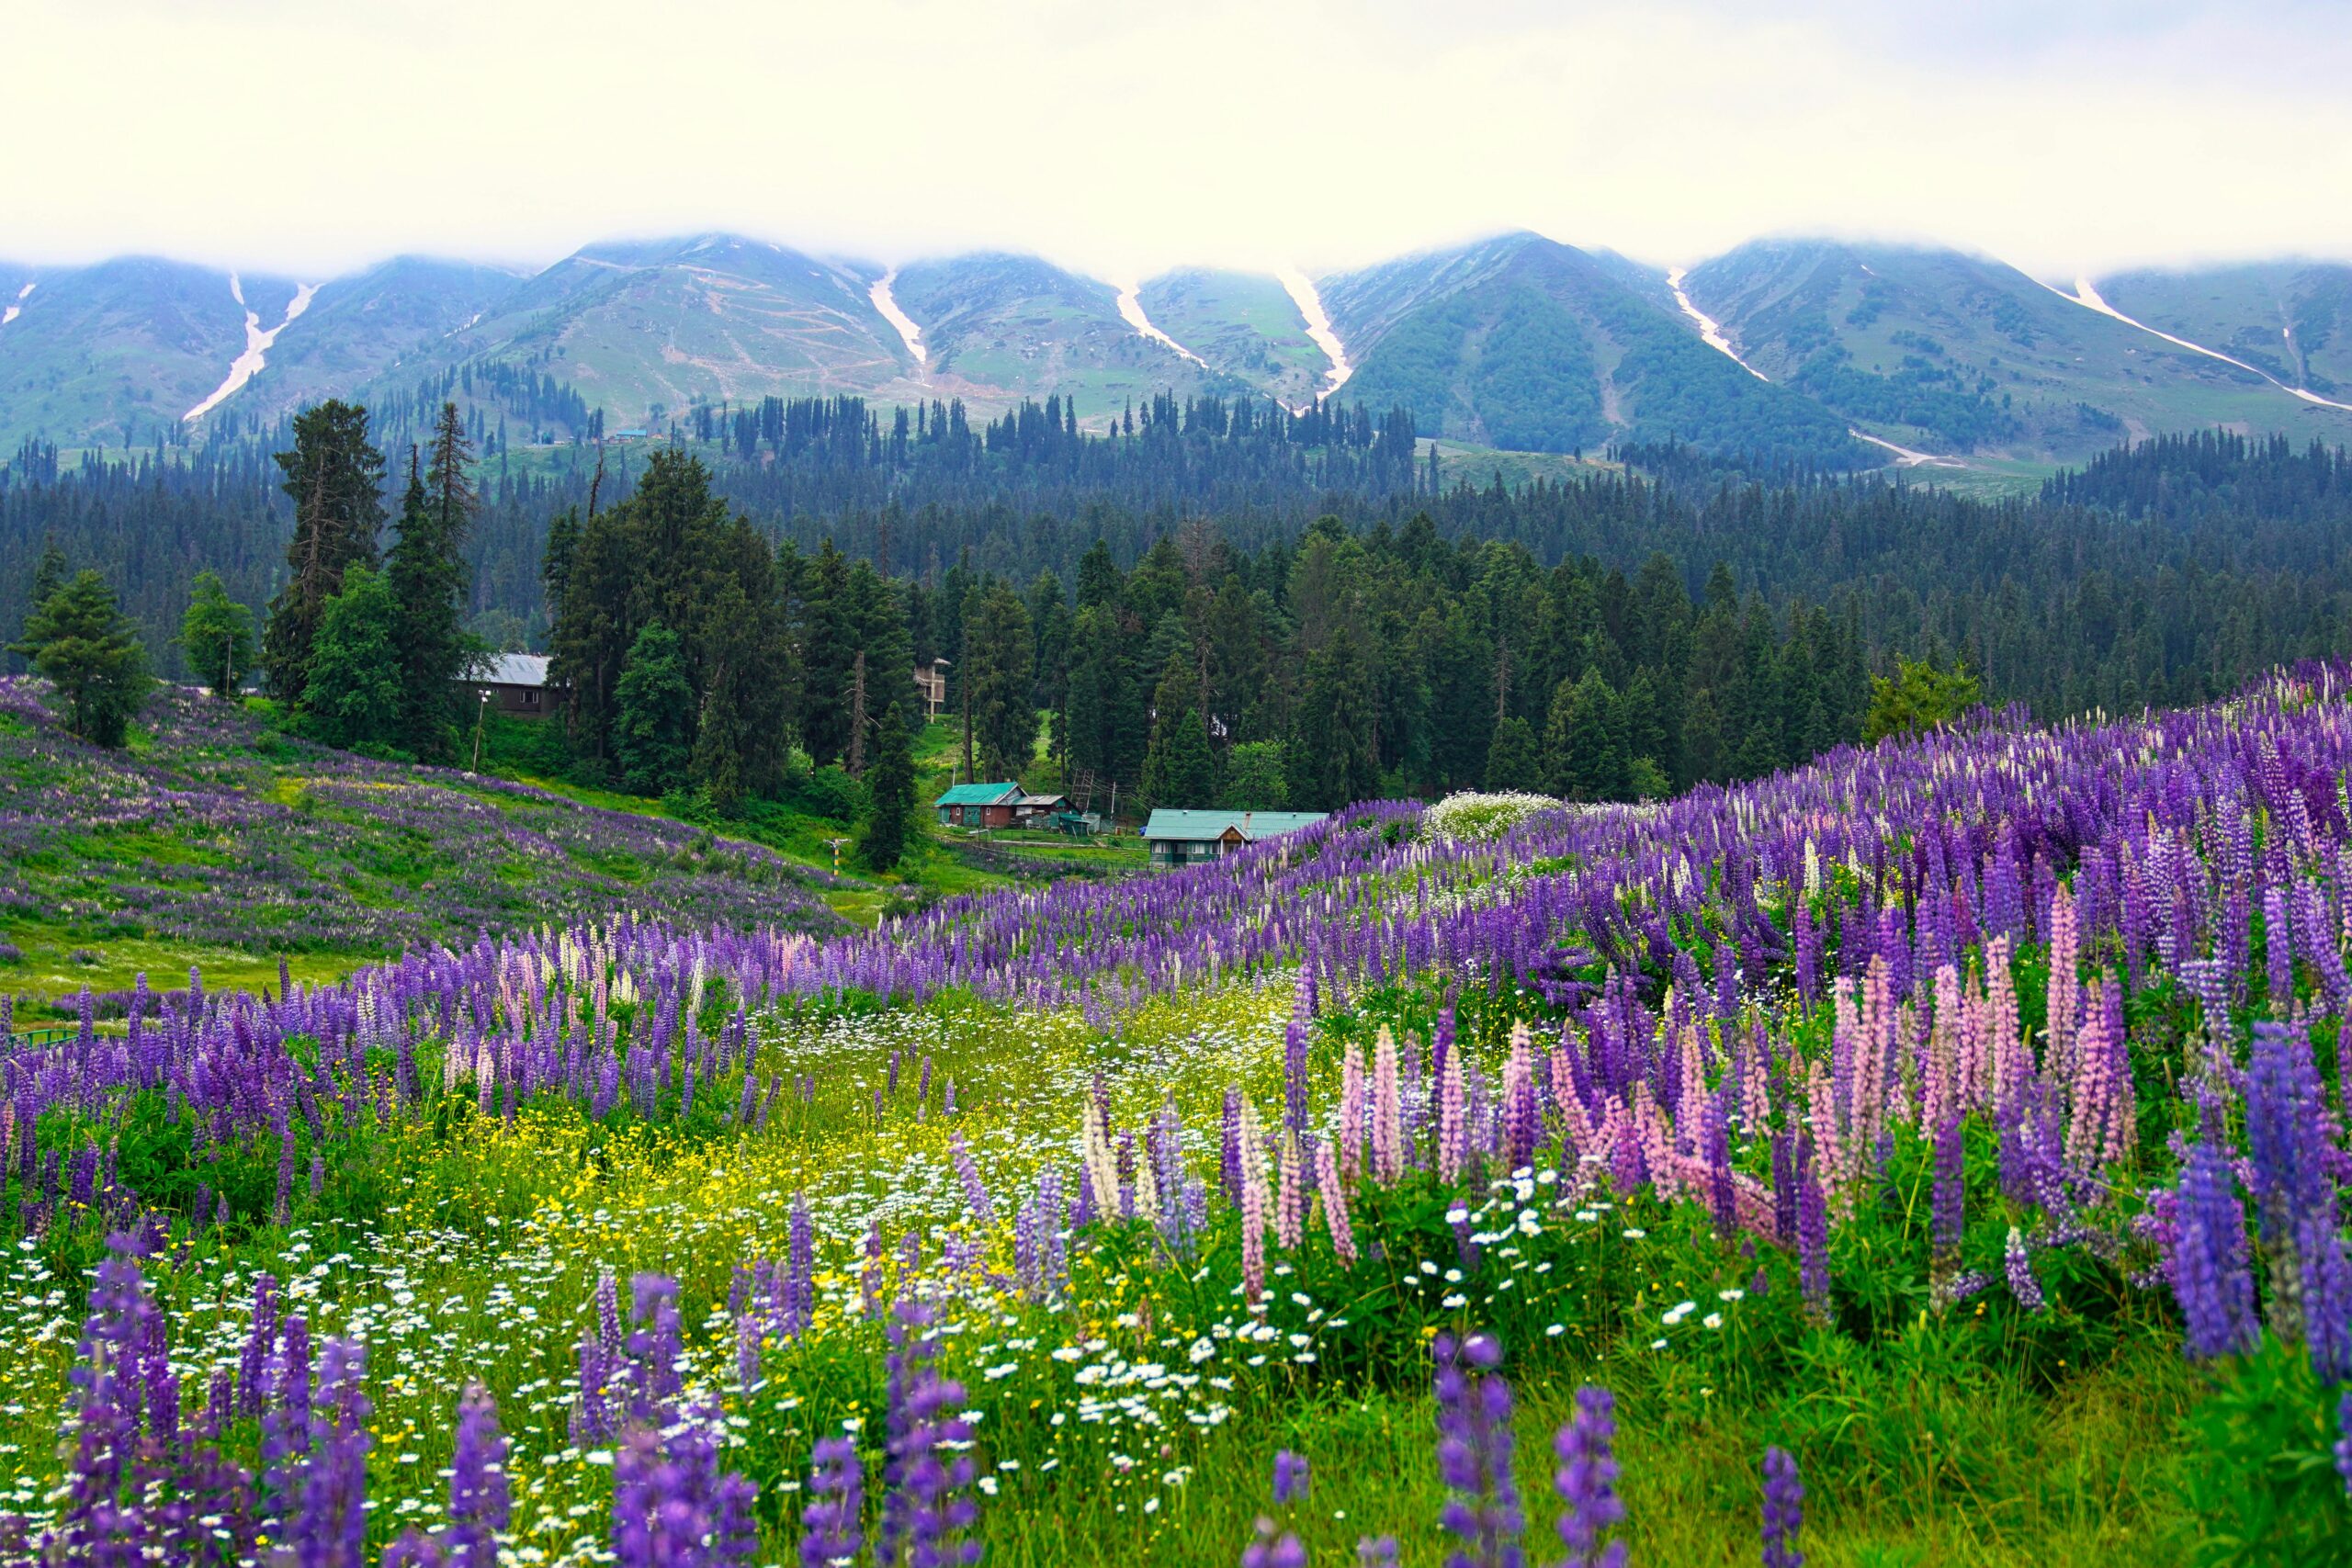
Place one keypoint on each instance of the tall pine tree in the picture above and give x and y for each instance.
(335, 479)
(426, 573)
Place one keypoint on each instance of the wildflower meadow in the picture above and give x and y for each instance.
(1936, 1155)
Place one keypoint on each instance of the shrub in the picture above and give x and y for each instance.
(1470, 817)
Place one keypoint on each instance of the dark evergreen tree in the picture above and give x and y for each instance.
(78, 637)
(351, 695)
(1511, 762)
(1330, 754)
(426, 570)
(998, 677)
(334, 478)
(654, 725)
(890, 791)
(1179, 770)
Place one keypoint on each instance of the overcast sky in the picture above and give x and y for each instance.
(1122, 139)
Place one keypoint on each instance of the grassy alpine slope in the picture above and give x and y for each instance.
(1893, 1113)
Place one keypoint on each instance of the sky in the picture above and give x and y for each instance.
(1123, 140)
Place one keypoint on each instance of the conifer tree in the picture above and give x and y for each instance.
(998, 675)
(1330, 754)
(79, 639)
(428, 577)
(1512, 762)
(890, 790)
(653, 733)
(351, 695)
(334, 479)
(1179, 770)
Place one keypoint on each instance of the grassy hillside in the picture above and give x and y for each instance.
(103, 354)
(214, 839)
(1957, 354)
(400, 313)
(2291, 318)
(1243, 323)
(999, 327)
(656, 325)
(1522, 344)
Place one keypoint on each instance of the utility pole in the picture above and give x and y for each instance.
(482, 711)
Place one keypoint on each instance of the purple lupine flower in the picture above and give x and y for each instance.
(1813, 1238)
(2019, 1265)
(747, 1349)
(655, 1347)
(1474, 1454)
(2344, 1443)
(2210, 1280)
(1291, 1477)
(927, 1521)
(800, 1273)
(1946, 1197)
(976, 1192)
(1271, 1551)
(672, 1505)
(1377, 1551)
(328, 1526)
(480, 1499)
(1783, 1510)
(830, 1522)
(1587, 1481)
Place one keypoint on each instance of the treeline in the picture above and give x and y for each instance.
(2163, 574)
(1308, 675)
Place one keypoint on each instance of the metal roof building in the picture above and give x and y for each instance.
(1181, 838)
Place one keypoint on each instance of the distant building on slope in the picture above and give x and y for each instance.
(518, 682)
(1181, 837)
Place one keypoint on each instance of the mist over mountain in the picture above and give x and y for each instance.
(1824, 353)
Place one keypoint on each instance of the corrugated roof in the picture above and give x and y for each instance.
(1196, 827)
(515, 669)
(980, 794)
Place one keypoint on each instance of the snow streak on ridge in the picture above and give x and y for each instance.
(248, 365)
(1301, 289)
(1710, 331)
(887, 303)
(2087, 295)
(1131, 310)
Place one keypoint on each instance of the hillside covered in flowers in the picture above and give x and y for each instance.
(1933, 1155)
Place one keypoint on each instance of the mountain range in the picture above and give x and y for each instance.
(1813, 350)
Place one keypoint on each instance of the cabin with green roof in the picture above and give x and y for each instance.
(1182, 838)
(979, 805)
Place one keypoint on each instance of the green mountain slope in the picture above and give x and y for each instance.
(2293, 319)
(357, 328)
(644, 330)
(1524, 343)
(117, 352)
(1000, 327)
(1958, 352)
(1243, 323)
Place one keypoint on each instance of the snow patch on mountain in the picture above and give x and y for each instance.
(2087, 295)
(248, 365)
(1904, 457)
(1131, 312)
(1301, 289)
(13, 312)
(1710, 331)
(887, 303)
